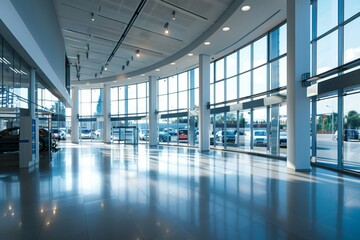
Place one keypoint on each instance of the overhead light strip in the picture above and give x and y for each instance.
(127, 29)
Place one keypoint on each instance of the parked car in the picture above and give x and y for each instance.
(283, 139)
(229, 136)
(144, 134)
(260, 138)
(58, 134)
(182, 134)
(87, 134)
(9, 139)
(349, 134)
(164, 137)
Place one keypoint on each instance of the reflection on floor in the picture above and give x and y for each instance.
(98, 191)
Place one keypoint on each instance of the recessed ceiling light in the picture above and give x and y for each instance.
(172, 63)
(114, 81)
(157, 69)
(143, 75)
(207, 43)
(129, 78)
(190, 54)
(245, 8)
(225, 29)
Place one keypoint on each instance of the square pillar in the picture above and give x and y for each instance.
(107, 114)
(153, 139)
(75, 115)
(204, 103)
(298, 105)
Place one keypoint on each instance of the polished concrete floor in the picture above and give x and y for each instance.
(98, 191)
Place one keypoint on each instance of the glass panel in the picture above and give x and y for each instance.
(245, 59)
(121, 93)
(122, 107)
(259, 84)
(244, 85)
(278, 42)
(183, 100)
(260, 52)
(183, 81)
(172, 84)
(85, 95)
(163, 103)
(219, 92)
(231, 88)
(231, 65)
(244, 130)
(351, 131)
(141, 90)
(327, 53)
(162, 85)
(131, 106)
(114, 93)
(142, 105)
(278, 71)
(196, 77)
(219, 70)
(326, 119)
(351, 7)
(260, 130)
(131, 91)
(352, 40)
(327, 15)
(173, 101)
(114, 107)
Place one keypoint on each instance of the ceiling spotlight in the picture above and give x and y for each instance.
(102, 69)
(190, 54)
(127, 63)
(123, 68)
(157, 70)
(101, 74)
(173, 15)
(92, 17)
(95, 75)
(137, 53)
(173, 63)
(207, 43)
(105, 68)
(143, 75)
(166, 28)
(132, 58)
(87, 55)
(225, 29)
(245, 8)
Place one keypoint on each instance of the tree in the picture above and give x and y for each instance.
(352, 120)
(99, 105)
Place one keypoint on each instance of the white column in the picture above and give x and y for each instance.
(298, 105)
(152, 112)
(32, 98)
(204, 101)
(75, 115)
(107, 114)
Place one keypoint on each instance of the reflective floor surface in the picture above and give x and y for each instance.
(99, 191)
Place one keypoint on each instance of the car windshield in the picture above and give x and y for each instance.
(230, 133)
(85, 131)
(260, 133)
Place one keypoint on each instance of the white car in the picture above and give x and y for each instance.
(87, 134)
(260, 138)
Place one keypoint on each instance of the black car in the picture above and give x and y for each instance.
(9, 139)
(229, 136)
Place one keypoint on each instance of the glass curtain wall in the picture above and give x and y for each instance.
(178, 101)
(335, 41)
(129, 109)
(91, 114)
(241, 81)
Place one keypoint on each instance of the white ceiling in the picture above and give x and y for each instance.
(196, 21)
